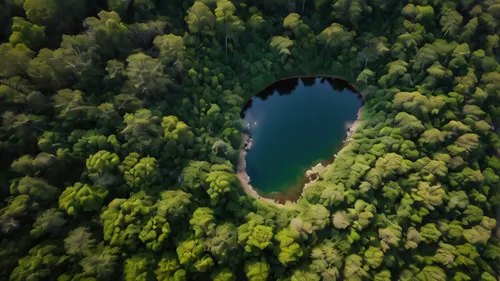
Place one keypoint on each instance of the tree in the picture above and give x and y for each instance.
(389, 236)
(350, 11)
(413, 238)
(14, 60)
(140, 172)
(191, 254)
(433, 273)
(109, 32)
(102, 162)
(392, 165)
(289, 250)
(37, 264)
(81, 197)
(47, 71)
(327, 260)
(139, 267)
(49, 222)
(281, 45)
(24, 32)
(293, 22)
(353, 269)
(477, 235)
(468, 142)
(432, 137)
(41, 12)
(194, 175)
(101, 263)
(79, 242)
(430, 195)
(37, 189)
(341, 220)
(67, 100)
(141, 123)
(304, 273)
(122, 220)
(373, 257)
(155, 233)
(336, 36)
(174, 204)
(470, 29)
(146, 77)
(78, 55)
(254, 236)
(425, 56)
(178, 136)
(169, 268)
(203, 222)
(220, 180)
(256, 270)
(199, 19)
(429, 233)
(451, 22)
(228, 21)
(223, 274)
(409, 125)
(224, 244)
(172, 48)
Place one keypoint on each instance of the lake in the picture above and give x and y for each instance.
(295, 124)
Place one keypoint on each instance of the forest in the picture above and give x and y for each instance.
(120, 131)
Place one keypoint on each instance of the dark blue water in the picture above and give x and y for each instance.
(294, 124)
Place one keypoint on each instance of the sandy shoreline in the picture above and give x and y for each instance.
(243, 175)
(245, 179)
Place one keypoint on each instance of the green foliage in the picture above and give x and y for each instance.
(139, 267)
(145, 76)
(220, 180)
(122, 220)
(82, 198)
(289, 250)
(199, 18)
(79, 242)
(203, 222)
(35, 188)
(254, 236)
(171, 47)
(140, 172)
(256, 270)
(37, 263)
(191, 254)
(24, 32)
(120, 138)
(48, 222)
(101, 162)
(155, 232)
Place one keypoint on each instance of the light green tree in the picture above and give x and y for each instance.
(146, 77)
(256, 270)
(226, 20)
(81, 197)
(172, 48)
(289, 250)
(200, 19)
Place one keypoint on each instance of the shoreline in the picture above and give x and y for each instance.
(311, 175)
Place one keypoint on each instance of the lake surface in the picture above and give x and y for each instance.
(295, 124)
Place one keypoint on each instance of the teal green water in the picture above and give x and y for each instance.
(294, 124)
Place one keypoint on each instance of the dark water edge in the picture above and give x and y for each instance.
(287, 86)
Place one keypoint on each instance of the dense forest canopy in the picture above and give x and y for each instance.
(120, 134)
